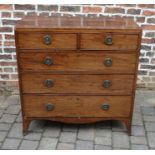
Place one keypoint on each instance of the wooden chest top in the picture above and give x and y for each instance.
(38, 23)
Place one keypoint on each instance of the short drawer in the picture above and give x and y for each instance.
(76, 106)
(46, 41)
(109, 41)
(97, 63)
(81, 84)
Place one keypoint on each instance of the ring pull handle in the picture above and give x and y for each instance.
(105, 106)
(108, 62)
(49, 83)
(47, 39)
(108, 40)
(107, 83)
(50, 107)
(48, 61)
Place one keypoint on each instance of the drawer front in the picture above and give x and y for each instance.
(108, 42)
(81, 84)
(77, 106)
(46, 40)
(78, 62)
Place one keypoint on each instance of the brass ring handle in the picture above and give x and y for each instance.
(50, 107)
(108, 40)
(48, 61)
(49, 83)
(107, 83)
(105, 106)
(47, 39)
(108, 62)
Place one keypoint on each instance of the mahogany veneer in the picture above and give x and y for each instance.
(77, 69)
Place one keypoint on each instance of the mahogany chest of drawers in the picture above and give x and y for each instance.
(77, 69)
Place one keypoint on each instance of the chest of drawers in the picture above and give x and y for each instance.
(77, 69)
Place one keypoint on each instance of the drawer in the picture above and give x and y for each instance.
(81, 84)
(97, 63)
(76, 106)
(111, 41)
(46, 41)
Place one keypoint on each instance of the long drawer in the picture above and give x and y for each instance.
(81, 84)
(102, 63)
(76, 106)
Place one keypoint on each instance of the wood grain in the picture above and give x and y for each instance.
(35, 41)
(38, 23)
(78, 62)
(120, 42)
(77, 106)
(81, 84)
